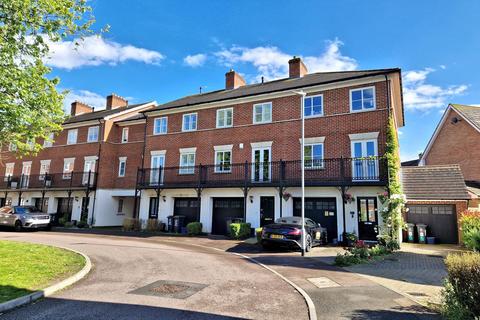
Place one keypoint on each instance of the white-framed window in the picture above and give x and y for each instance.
(68, 164)
(47, 143)
(187, 163)
(224, 118)
(9, 170)
(72, 136)
(189, 122)
(124, 135)
(122, 166)
(12, 147)
(44, 169)
(362, 99)
(262, 112)
(160, 125)
(365, 162)
(120, 205)
(223, 161)
(314, 156)
(313, 106)
(92, 134)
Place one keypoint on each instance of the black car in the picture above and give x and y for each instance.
(287, 232)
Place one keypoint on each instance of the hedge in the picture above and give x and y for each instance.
(194, 228)
(462, 288)
(240, 230)
(470, 222)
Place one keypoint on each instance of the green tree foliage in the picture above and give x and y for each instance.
(30, 104)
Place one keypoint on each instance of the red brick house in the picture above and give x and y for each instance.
(456, 140)
(235, 152)
(77, 176)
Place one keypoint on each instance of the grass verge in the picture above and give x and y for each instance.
(27, 267)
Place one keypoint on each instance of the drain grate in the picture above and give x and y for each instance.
(170, 289)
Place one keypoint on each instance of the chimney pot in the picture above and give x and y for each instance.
(79, 108)
(115, 101)
(296, 68)
(233, 80)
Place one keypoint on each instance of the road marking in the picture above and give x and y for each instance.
(323, 282)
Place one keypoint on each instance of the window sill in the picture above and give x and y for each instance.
(313, 117)
(186, 173)
(265, 122)
(363, 110)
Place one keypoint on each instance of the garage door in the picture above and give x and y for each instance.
(441, 221)
(223, 210)
(320, 210)
(187, 207)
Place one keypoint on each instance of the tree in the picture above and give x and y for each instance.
(30, 103)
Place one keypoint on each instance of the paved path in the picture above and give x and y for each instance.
(234, 287)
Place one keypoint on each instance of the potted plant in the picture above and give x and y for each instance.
(348, 198)
(351, 238)
(286, 196)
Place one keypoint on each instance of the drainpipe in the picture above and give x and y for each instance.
(136, 212)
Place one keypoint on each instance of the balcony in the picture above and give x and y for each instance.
(54, 181)
(327, 172)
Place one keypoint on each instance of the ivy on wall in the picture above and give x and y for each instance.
(395, 200)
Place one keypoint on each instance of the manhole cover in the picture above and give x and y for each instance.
(170, 289)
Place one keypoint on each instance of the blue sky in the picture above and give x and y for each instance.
(162, 50)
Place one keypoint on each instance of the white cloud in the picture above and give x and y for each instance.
(95, 51)
(91, 98)
(420, 95)
(195, 60)
(271, 62)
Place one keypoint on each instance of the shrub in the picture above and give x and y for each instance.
(462, 287)
(360, 253)
(130, 224)
(68, 224)
(258, 234)
(347, 259)
(471, 239)
(81, 224)
(240, 230)
(153, 225)
(194, 228)
(470, 222)
(388, 242)
(62, 221)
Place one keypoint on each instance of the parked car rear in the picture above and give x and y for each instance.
(24, 217)
(288, 232)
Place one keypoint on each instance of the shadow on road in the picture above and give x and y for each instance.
(53, 308)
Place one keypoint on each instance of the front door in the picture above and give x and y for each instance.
(267, 210)
(26, 169)
(153, 208)
(367, 218)
(261, 165)
(157, 164)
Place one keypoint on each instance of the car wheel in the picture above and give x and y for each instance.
(308, 244)
(18, 226)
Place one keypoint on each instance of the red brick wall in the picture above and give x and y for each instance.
(336, 124)
(457, 144)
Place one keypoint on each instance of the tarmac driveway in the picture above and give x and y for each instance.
(228, 286)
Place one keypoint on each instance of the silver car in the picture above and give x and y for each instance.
(23, 217)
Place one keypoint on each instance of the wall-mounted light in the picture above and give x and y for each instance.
(164, 198)
(76, 199)
(251, 199)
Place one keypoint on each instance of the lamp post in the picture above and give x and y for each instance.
(302, 94)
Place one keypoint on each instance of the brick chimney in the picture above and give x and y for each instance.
(233, 80)
(296, 68)
(114, 101)
(79, 108)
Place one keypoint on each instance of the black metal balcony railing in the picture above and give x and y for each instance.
(49, 181)
(327, 172)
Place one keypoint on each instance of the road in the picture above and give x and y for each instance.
(231, 287)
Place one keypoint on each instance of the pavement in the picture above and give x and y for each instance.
(235, 287)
